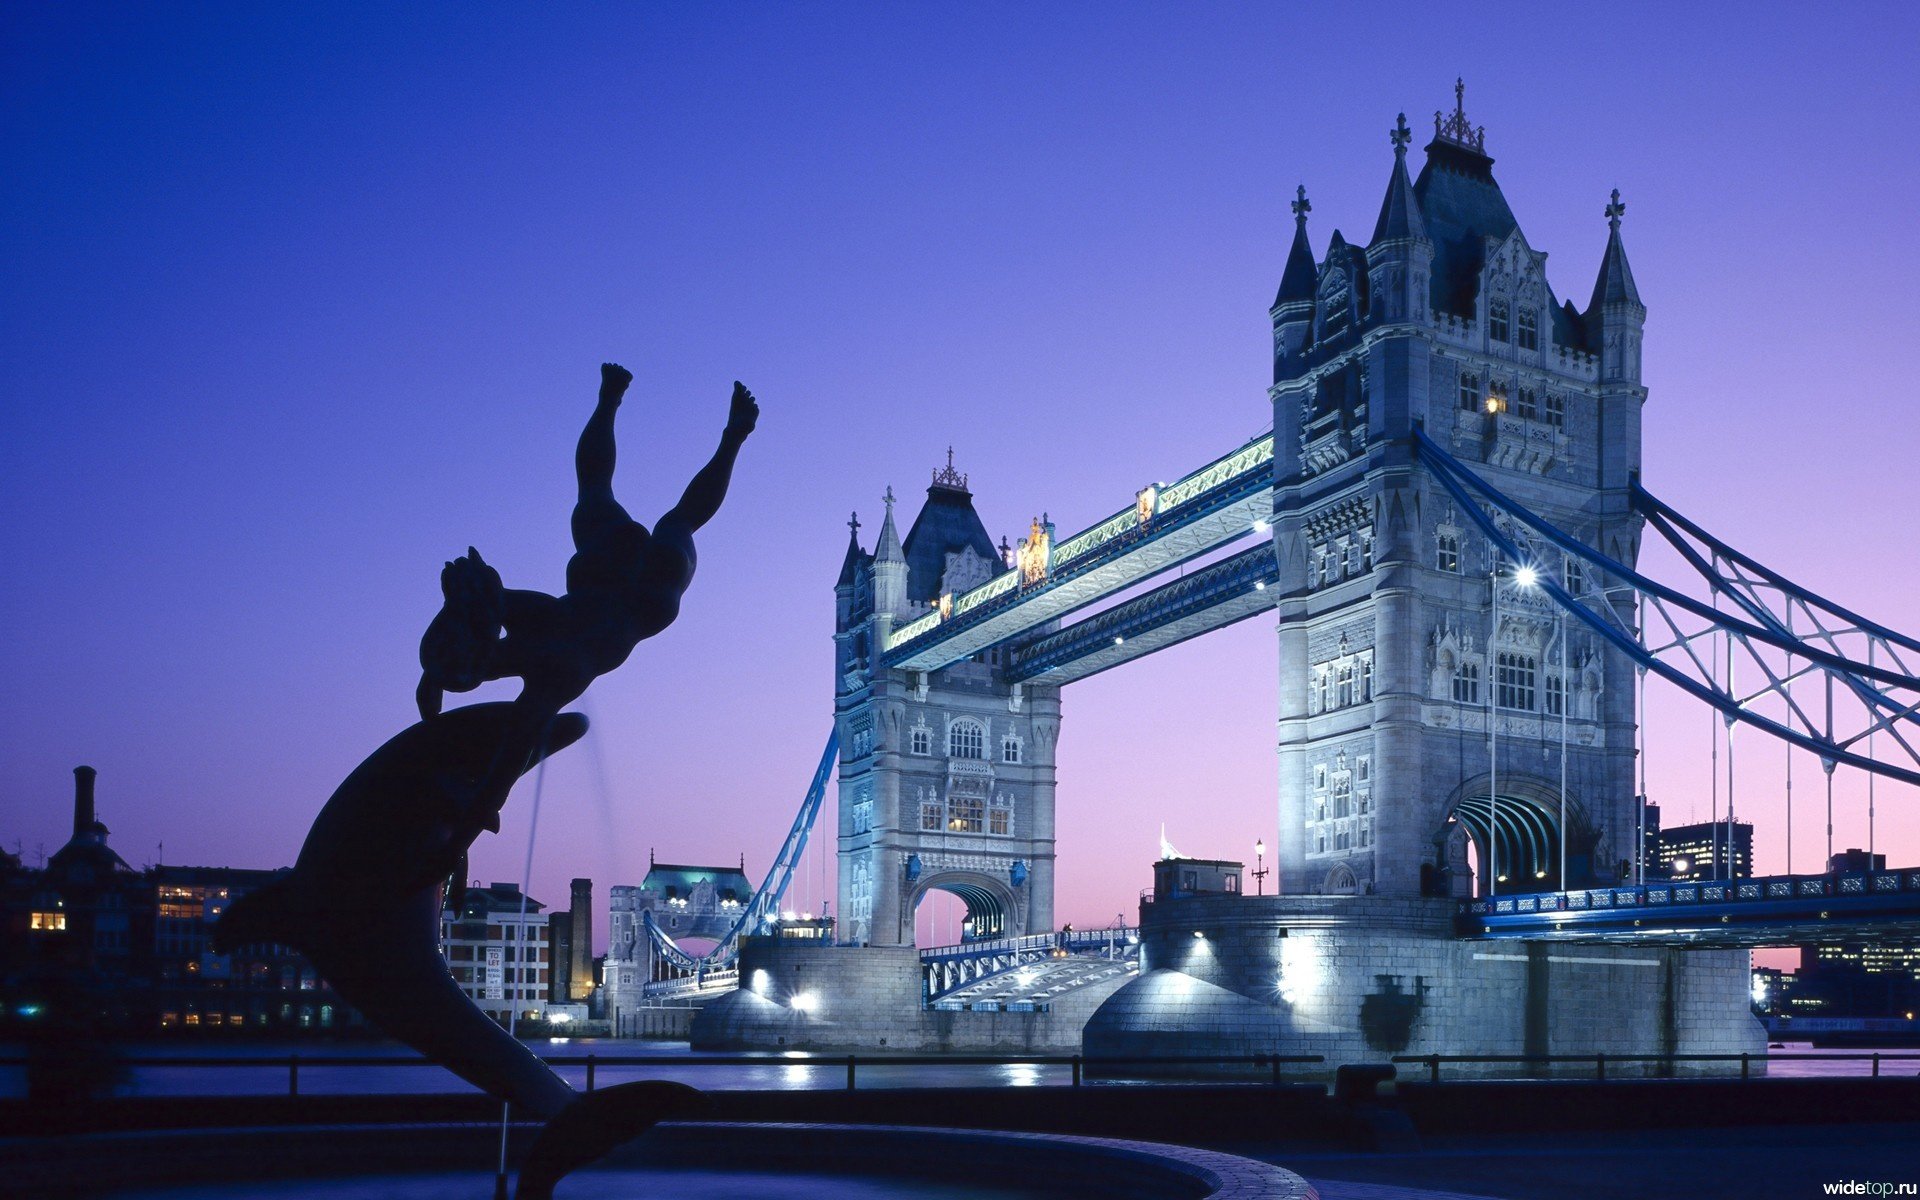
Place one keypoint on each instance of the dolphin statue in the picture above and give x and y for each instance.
(363, 903)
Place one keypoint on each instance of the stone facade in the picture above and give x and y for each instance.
(1391, 667)
(1364, 978)
(946, 777)
(684, 902)
(806, 995)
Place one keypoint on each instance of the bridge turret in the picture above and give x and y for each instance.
(1292, 310)
(1400, 256)
(889, 575)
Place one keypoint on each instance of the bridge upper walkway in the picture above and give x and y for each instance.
(1778, 910)
(1167, 526)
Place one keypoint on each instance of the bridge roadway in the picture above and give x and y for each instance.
(1217, 504)
(1015, 973)
(1779, 910)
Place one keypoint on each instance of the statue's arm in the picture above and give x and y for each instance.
(701, 500)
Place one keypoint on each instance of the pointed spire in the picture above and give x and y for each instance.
(887, 548)
(1615, 283)
(850, 565)
(1298, 281)
(1400, 217)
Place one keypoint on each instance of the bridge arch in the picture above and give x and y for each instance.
(1520, 829)
(991, 905)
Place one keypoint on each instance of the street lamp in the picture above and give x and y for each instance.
(1260, 867)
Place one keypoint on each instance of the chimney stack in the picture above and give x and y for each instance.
(83, 800)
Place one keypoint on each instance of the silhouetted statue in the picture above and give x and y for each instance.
(364, 899)
(624, 585)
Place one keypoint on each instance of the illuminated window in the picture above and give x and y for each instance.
(1466, 683)
(966, 739)
(1529, 329)
(1556, 410)
(1514, 681)
(966, 813)
(1469, 392)
(1496, 397)
(51, 922)
(932, 816)
(1497, 320)
(1000, 816)
(1449, 552)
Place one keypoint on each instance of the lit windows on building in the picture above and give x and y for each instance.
(966, 739)
(966, 812)
(1529, 322)
(1514, 680)
(48, 922)
(1497, 401)
(1466, 683)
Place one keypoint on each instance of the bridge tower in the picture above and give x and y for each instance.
(946, 777)
(1391, 664)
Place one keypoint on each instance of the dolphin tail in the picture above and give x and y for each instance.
(594, 1125)
(266, 914)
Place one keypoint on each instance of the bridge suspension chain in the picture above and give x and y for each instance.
(1852, 700)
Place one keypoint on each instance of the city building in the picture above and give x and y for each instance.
(1695, 852)
(495, 944)
(570, 935)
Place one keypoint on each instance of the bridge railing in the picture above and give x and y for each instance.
(1692, 892)
(1069, 940)
(1664, 1062)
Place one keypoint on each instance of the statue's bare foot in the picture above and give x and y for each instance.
(745, 413)
(614, 379)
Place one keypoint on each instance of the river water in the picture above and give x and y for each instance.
(743, 1071)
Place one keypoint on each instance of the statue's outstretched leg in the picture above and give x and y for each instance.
(593, 460)
(704, 494)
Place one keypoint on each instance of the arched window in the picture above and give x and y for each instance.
(1497, 320)
(1010, 749)
(1529, 329)
(966, 739)
(1469, 392)
(1466, 683)
(921, 740)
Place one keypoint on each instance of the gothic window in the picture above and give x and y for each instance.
(1573, 576)
(1556, 694)
(1000, 816)
(1556, 410)
(1449, 553)
(1496, 397)
(1010, 749)
(1529, 329)
(1466, 683)
(921, 741)
(1320, 777)
(1366, 552)
(1363, 768)
(932, 818)
(1325, 680)
(1366, 679)
(1329, 567)
(1497, 320)
(1514, 680)
(966, 739)
(1345, 679)
(1469, 392)
(966, 813)
(1529, 406)
(862, 811)
(1355, 556)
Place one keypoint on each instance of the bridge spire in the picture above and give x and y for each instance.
(1400, 218)
(889, 567)
(1301, 276)
(1456, 129)
(855, 557)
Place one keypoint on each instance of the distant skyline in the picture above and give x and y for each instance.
(301, 302)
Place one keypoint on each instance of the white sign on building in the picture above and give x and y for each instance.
(495, 975)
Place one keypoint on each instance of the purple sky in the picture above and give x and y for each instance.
(298, 303)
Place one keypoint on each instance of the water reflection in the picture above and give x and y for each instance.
(1020, 1075)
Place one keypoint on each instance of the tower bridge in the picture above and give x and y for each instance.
(1445, 522)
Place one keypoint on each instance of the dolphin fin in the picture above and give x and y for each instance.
(592, 1126)
(266, 914)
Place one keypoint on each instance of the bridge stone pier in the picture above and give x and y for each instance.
(1443, 730)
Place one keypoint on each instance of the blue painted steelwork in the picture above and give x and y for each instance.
(1772, 911)
(1463, 485)
(1163, 524)
(1205, 588)
(759, 912)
